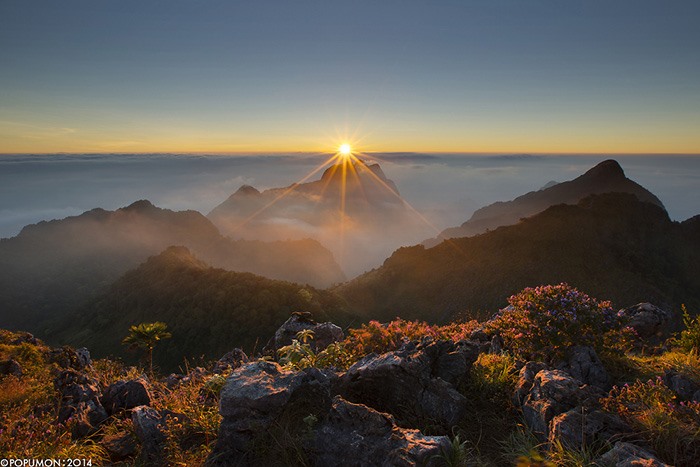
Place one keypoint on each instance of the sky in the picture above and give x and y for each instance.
(442, 76)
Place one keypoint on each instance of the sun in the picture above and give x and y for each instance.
(345, 150)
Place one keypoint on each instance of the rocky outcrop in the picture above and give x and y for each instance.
(580, 427)
(554, 392)
(629, 455)
(149, 426)
(648, 321)
(415, 384)
(324, 333)
(125, 395)
(255, 396)
(230, 361)
(79, 403)
(120, 446)
(67, 357)
(355, 435)
(584, 365)
(686, 388)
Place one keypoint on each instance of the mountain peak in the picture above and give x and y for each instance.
(607, 169)
(246, 190)
(140, 206)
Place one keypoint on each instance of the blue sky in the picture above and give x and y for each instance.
(530, 76)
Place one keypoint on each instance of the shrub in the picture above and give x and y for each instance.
(380, 338)
(689, 338)
(671, 427)
(299, 354)
(545, 320)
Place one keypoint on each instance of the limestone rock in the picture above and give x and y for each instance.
(119, 446)
(230, 361)
(649, 321)
(356, 435)
(584, 365)
(125, 395)
(413, 383)
(680, 384)
(324, 333)
(525, 380)
(257, 394)
(629, 455)
(580, 427)
(554, 392)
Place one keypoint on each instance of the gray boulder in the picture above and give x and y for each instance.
(84, 418)
(149, 426)
(79, 402)
(125, 395)
(680, 384)
(580, 427)
(324, 333)
(68, 358)
(554, 392)
(119, 446)
(629, 455)
(415, 383)
(584, 365)
(255, 396)
(525, 381)
(354, 435)
(230, 361)
(649, 321)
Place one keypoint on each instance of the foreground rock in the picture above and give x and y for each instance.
(324, 333)
(355, 435)
(255, 396)
(149, 426)
(580, 427)
(79, 402)
(125, 395)
(10, 367)
(551, 393)
(415, 384)
(584, 365)
(230, 361)
(629, 455)
(648, 321)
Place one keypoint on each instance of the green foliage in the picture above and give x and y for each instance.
(546, 320)
(671, 427)
(146, 336)
(689, 338)
(458, 454)
(493, 376)
(300, 354)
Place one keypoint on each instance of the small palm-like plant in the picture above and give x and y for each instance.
(146, 336)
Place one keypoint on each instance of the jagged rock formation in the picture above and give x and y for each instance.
(55, 266)
(606, 177)
(354, 210)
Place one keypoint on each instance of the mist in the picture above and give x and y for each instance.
(444, 188)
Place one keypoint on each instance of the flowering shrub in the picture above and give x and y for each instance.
(380, 338)
(672, 427)
(546, 320)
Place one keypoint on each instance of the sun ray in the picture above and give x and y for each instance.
(291, 188)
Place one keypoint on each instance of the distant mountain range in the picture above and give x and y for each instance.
(52, 267)
(353, 209)
(209, 311)
(612, 246)
(606, 177)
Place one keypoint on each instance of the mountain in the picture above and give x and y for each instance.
(53, 267)
(353, 209)
(611, 245)
(209, 311)
(606, 177)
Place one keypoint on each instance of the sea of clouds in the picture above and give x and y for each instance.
(444, 188)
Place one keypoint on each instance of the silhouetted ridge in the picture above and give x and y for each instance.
(609, 169)
(140, 205)
(246, 190)
(605, 177)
